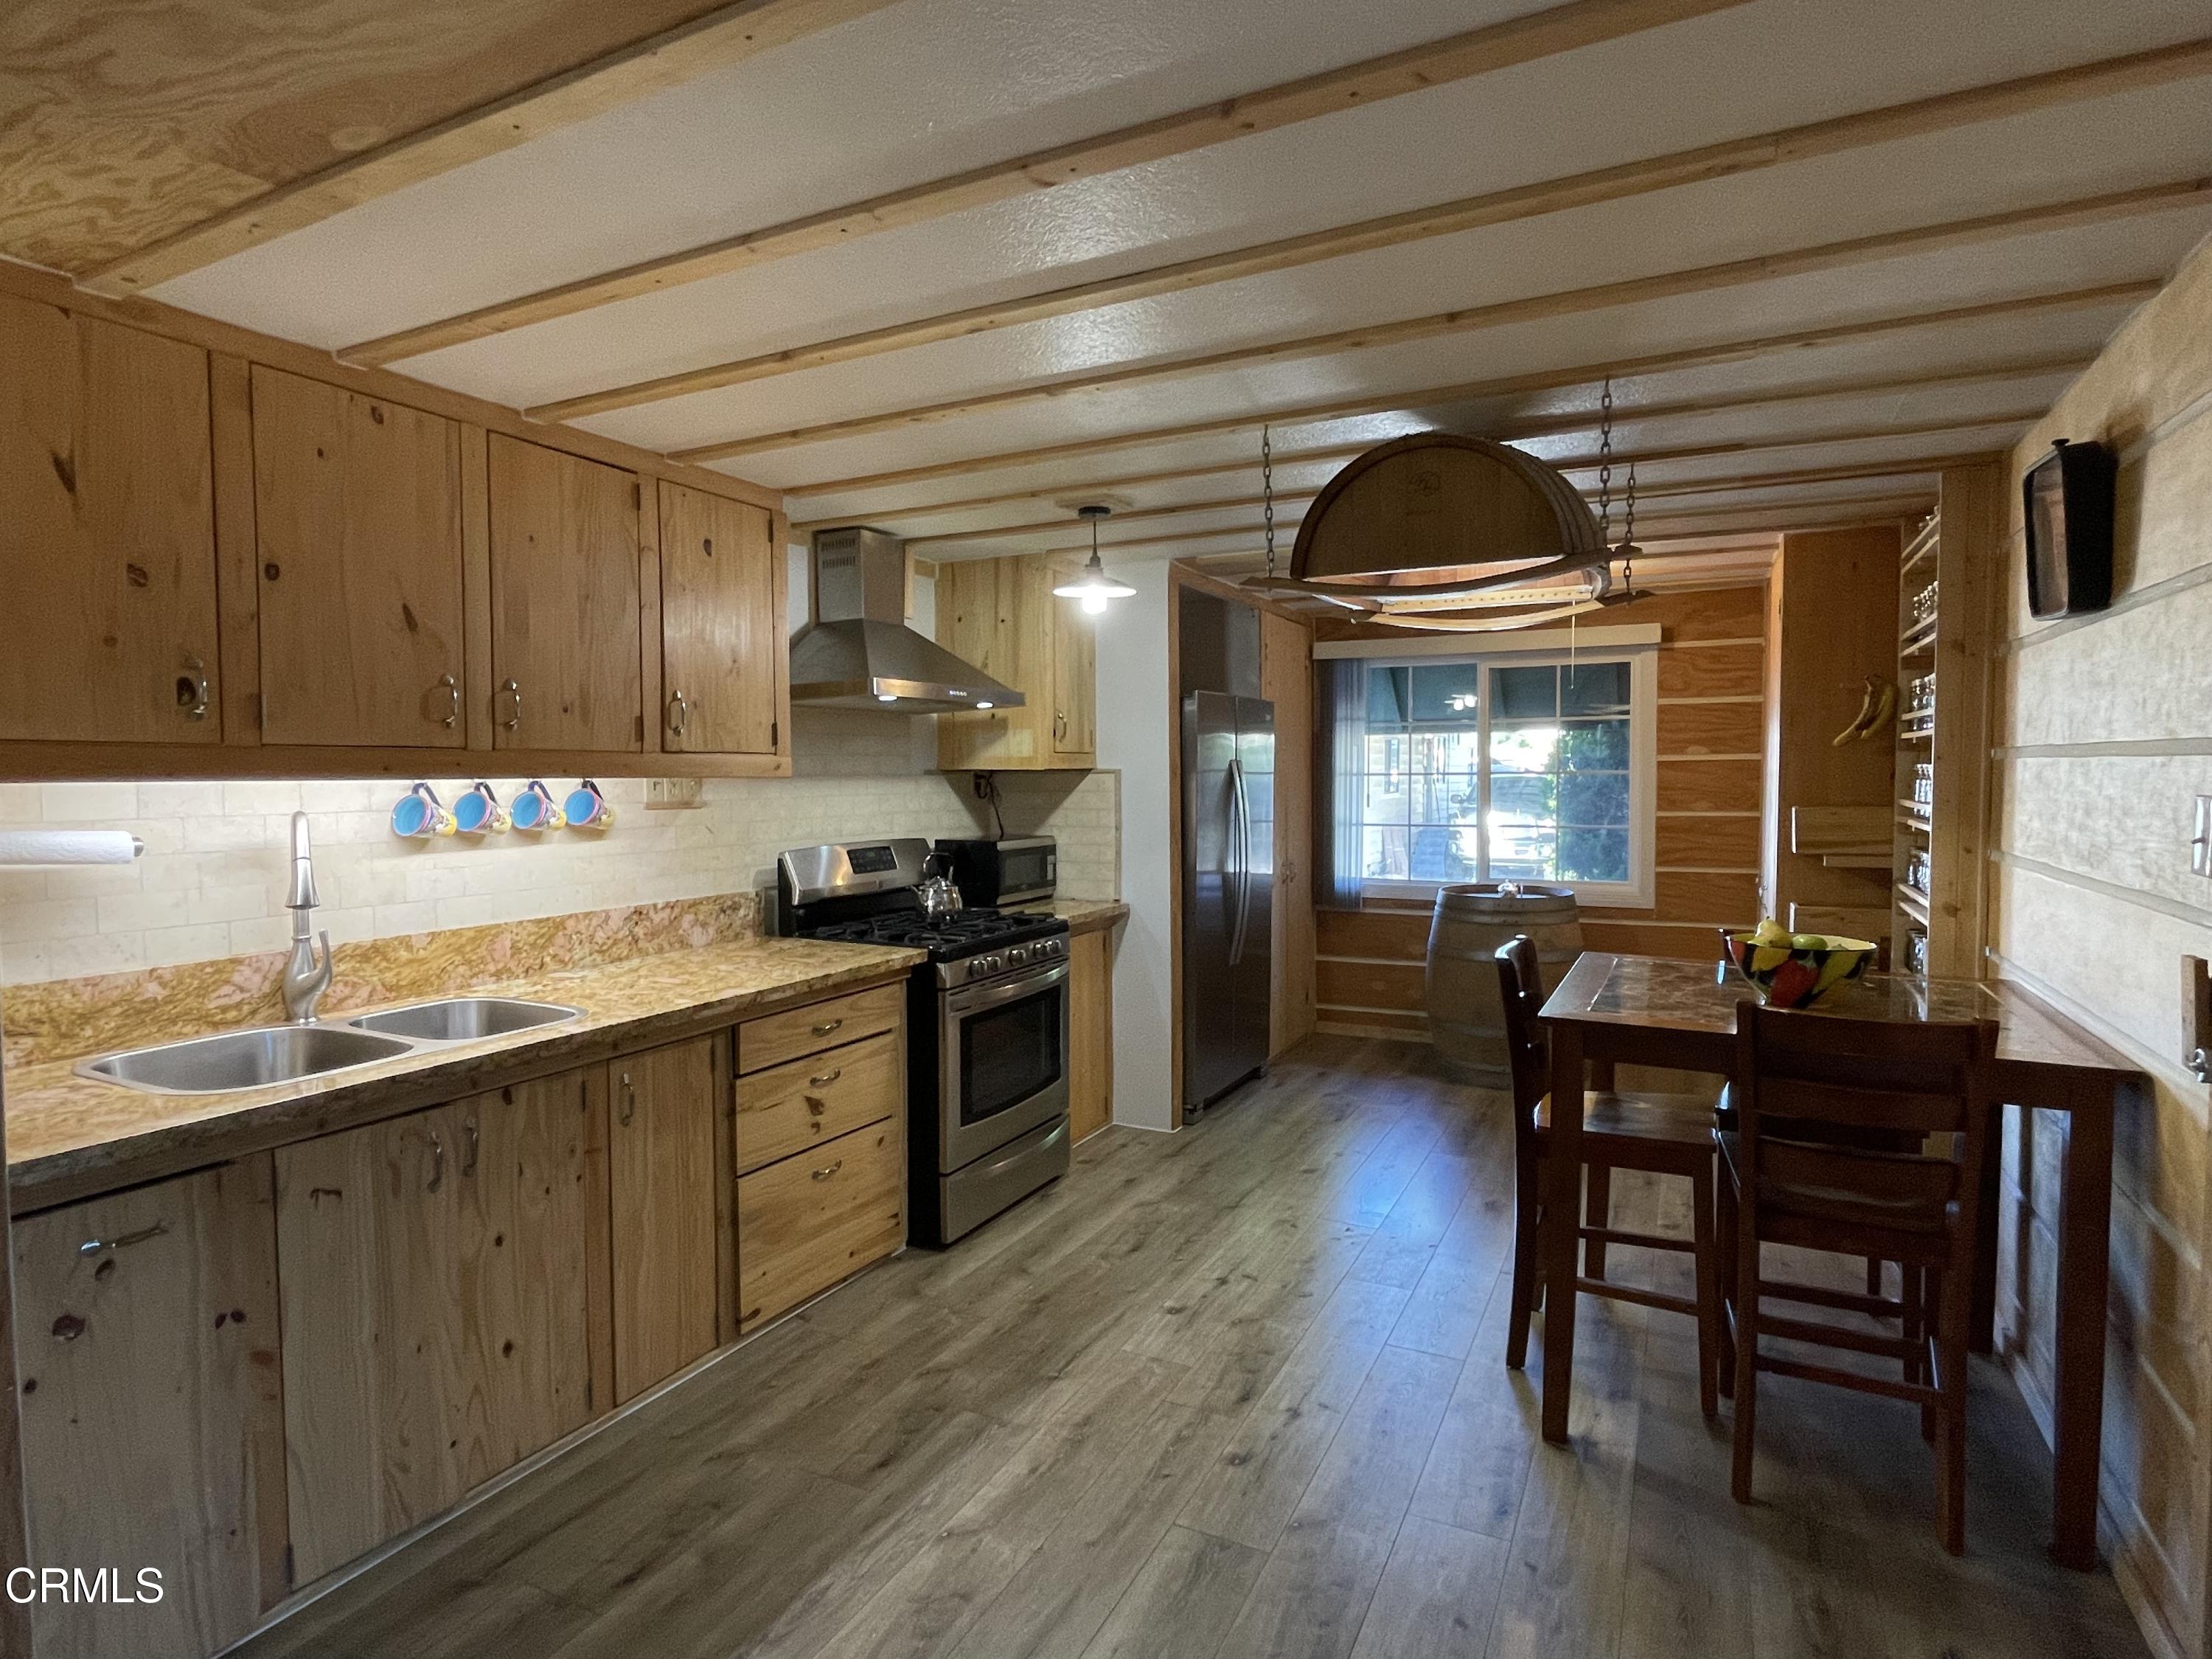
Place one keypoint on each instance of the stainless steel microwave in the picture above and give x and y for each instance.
(1014, 871)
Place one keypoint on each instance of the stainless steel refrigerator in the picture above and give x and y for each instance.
(1228, 890)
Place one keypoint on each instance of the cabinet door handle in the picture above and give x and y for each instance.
(101, 1246)
(824, 1174)
(512, 691)
(630, 1098)
(452, 689)
(826, 1078)
(437, 1163)
(1059, 723)
(192, 690)
(679, 713)
(824, 1030)
(469, 1158)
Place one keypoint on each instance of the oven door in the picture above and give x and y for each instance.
(1002, 1064)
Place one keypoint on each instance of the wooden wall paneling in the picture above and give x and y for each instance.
(662, 1107)
(1970, 550)
(1709, 840)
(107, 543)
(153, 1428)
(1697, 943)
(476, 587)
(1286, 680)
(237, 547)
(1836, 596)
(1718, 671)
(357, 512)
(1712, 728)
(1090, 1033)
(1370, 984)
(721, 629)
(1687, 784)
(564, 580)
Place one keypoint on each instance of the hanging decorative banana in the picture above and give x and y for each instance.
(1877, 709)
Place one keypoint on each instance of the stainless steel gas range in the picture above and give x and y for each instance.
(987, 1027)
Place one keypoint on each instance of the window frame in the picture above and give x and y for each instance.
(1639, 893)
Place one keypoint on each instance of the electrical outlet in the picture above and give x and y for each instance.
(661, 794)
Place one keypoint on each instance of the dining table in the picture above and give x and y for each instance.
(1681, 1014)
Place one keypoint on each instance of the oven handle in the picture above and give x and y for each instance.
(1243, 832)
(991, 996)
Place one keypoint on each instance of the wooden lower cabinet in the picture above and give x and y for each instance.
(445, 1305)
(809, 1221)
(1090, 1033)
(663, 1175)
(792, 1108)
(152, 1429)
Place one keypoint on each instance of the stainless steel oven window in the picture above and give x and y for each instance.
(1002, 1067)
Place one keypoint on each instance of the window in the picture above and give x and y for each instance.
(1510, 766)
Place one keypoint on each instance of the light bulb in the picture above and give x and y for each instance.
(886, 696)
(984, 705)
(1094, 603)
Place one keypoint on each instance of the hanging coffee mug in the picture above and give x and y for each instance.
(535, 809)
(419, 814)
(588, 808)
(479, 813)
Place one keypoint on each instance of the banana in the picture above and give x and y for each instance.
(1884, 711)
(1868, 703)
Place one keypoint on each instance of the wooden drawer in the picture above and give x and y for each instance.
(807, 1222)
(812, 1101)
(775, 1038)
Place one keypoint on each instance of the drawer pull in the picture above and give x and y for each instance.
(825, 1079)
(824, 1030)
(100, 1246)
(437, 1162)
(824, 1174)
(469, 1158)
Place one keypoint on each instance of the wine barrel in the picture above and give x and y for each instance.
(1471, 921)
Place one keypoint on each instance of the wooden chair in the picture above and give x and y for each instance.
(1862, 1137)
(1661, 1134)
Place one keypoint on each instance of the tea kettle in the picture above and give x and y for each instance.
(938, 896)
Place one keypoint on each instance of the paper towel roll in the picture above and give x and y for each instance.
(19, 846)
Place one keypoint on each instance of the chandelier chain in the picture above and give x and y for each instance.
(1267, 491)
(1605, 465)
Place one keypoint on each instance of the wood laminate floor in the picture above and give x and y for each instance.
(1237, 1392)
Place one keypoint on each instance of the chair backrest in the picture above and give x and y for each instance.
(1521, 995)
(1850, 1106)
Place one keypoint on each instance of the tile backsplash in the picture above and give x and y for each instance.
(212, 883)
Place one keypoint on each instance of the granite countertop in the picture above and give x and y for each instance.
(69, 1136)
(1084, 915)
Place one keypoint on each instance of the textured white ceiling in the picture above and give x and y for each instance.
(927, 87)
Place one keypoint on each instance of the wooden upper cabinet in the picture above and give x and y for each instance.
(106, 532)
(566, 667)
(146, 1337)
(725, 684)
(358, 532)
(1000, 615)
(664, 1165)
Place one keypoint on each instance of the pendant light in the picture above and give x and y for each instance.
(1094, 586)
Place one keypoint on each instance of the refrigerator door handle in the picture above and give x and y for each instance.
(1243, 838)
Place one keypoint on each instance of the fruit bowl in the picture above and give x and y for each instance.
(1795, 971)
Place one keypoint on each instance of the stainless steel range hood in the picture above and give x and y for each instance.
(861, 653)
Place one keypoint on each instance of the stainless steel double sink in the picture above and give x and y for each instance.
(264, 1056)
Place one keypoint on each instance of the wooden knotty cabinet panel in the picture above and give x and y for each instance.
(444, 1305)
(1002, 615)
(1090, 1032)
(663, 1175)
(723, 682)
(567, 671)
(107, 533)
(357, 517)
(809, 1221)
(153, 1432)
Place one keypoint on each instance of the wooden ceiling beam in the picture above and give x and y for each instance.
(1537, 427)
(2171, 196)
(1588, 374)
(1894, 467)
(1737, 155)
(1457, 57)
(726, 36)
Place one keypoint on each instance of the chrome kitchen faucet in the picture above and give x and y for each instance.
(305, 979)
